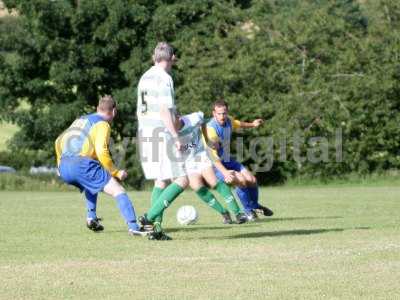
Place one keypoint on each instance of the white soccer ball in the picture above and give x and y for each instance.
(187, 215)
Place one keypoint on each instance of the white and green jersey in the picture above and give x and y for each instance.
(190, 134)
(155, 89)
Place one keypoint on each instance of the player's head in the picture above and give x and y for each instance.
(107, 107)
(220, 111)
(164, 56)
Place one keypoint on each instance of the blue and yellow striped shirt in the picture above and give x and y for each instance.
(87, 136)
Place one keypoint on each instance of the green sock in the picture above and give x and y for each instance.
(157, 226)
(208, 198)
(154, 196)
(164, 200)
(225, 191)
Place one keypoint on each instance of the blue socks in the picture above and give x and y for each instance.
(253, 191)
(248, 197)
(245, 198)
(91, 203)
(127, 211)
(124, 204)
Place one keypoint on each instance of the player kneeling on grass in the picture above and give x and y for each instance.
(199, 168)
(84, 161)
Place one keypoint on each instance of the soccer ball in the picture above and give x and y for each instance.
(187, 215)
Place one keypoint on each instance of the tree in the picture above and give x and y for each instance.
(68, 53)
(305, 66)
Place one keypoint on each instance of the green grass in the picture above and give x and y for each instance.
(325, 242)
(7, 130)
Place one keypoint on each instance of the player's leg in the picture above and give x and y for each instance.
(168, 195)
(246, 192)
(89, 176)
(159, 186)
(169, 166)
(74, 171)
(252, 187)
(91, 204)
(248, 176)
(114, 189)
(252, 190)
(197, 184)
(239, 179)
(224, 190)
(241, 183)
(241, 191)
(244, 196)
(92, 221)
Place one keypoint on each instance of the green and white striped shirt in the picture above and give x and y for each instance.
(190, 134)
(155, 89)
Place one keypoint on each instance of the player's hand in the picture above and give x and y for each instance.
(258, 122)
(229, 176)
(122, 175)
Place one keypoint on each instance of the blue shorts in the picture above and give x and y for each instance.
(230, 165)
(84, 173)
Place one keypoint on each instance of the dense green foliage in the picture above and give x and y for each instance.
(310, 67)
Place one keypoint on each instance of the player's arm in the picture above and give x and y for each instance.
(166, 102)
(211, 141)
(168, 119)
(57, 146)
(236, 124)
(101, 141)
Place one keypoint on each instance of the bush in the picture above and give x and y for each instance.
(25, 182)
(24, 160)
(309, 66)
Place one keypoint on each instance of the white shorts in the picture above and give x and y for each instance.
(198, 163)
(159, 158)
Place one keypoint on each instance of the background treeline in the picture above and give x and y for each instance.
(308, 67)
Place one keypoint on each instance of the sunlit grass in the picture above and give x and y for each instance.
(325, 242)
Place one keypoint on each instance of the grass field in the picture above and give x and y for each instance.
(324, 242)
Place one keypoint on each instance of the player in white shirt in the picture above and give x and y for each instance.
(156, 114)
(199, 167)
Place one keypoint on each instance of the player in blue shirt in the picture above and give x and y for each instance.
(219, 132)
(84, 161)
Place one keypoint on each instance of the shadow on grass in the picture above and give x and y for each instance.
(191, 228)
(283, 233)
(249, 224)
(295, 232)
(199, 228)
(291, 232)
(272, 219)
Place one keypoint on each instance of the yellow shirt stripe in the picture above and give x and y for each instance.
(95, 146)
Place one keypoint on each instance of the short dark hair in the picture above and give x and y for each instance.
(106, 103)
(220, 103)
